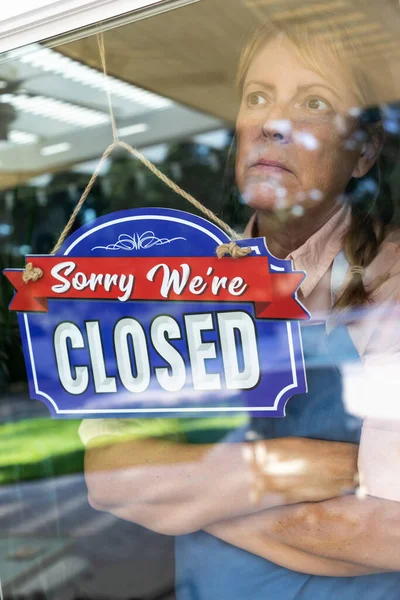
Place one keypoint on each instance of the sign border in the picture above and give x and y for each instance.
(212, 231)
(219, 409)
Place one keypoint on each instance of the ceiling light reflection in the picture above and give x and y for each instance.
(55, 149)
(53, 62)
(58, 110)
(132, 129)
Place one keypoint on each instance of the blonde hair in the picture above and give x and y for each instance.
(339, 50)
(367, 229)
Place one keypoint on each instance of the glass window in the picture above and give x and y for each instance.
(282, 119)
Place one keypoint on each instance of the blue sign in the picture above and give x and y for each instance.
(136, 316)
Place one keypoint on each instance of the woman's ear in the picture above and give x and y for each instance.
(370, 150)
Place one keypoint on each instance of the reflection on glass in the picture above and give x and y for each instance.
(257, 506)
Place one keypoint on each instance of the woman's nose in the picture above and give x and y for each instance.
(277, 127)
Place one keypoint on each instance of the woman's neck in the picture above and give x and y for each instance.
(285, 232)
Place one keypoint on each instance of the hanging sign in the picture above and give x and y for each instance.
(135, 315)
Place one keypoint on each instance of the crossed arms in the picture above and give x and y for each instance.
(301, 521)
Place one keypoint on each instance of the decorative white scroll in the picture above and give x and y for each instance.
(137, 242)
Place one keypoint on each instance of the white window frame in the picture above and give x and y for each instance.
(65, 16)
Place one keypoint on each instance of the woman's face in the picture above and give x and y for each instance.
(295, 135)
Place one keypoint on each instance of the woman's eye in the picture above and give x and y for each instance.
(255, 99)
(317, 104)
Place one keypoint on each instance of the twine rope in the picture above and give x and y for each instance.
(233, 250)
(32, 273)
(102, 52)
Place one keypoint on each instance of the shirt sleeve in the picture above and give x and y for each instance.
(102, 431)
(378, 392)
(379, 459)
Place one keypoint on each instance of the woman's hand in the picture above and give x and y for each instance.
(301, 469)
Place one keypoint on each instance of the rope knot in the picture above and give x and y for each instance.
(357, 270)
(31, 273)
(232, 249)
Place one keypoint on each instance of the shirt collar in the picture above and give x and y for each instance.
(316, 255)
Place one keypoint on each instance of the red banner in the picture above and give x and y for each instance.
(185, 279)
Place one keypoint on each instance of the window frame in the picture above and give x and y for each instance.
(76, 18)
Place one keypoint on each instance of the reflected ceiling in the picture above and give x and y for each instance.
(172, 77)
(191, 54)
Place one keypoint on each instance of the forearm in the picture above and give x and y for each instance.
(244, 534)
(150, 480)
(362, 532)
(170, 487)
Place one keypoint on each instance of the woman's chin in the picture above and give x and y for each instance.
(265, 196)
(267, 202)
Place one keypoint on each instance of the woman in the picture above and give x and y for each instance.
(300, 147)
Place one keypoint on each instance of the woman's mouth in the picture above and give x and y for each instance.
(270, 166)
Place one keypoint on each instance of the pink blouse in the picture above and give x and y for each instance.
(372, 388)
